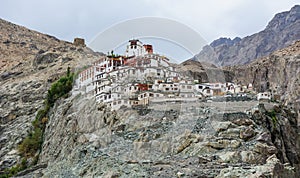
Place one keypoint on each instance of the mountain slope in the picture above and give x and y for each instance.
(204, 72)
(86, 139)
(279, 73)
(282, 30)
(29, 62)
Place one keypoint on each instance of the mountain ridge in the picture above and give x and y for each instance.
(281, 31)
(83, 138)
(278, 73)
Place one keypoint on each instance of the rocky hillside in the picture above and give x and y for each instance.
(194, 139)
(29, 62)
(85, 139)
(279, 73)
(282, 30)
(204, 72)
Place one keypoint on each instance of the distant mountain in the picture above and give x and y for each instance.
(279, 72)
(204, 72)
(282, 30)
(225, 41)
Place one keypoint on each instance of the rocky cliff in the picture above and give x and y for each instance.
(84, 139)
(29, 62)
(204, 72)
(197, 139)
(282, 30)
(278, 73)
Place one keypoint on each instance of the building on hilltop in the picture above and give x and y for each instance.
(142, 78)
(136, 48)
(79, 42)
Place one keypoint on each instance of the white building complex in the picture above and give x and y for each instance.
(141, 77)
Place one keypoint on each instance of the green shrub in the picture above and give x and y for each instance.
(60, 88)
(15, 169)
(272, 114)
(33, 142)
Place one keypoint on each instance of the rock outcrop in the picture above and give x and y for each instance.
(193, 139)
(204, 72)
(29, 62)
(278, 73)
(84, 139)
(282, 30)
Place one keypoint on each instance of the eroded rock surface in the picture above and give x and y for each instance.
(29, 62)
(88, 139)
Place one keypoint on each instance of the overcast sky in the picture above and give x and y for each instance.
(212, 19)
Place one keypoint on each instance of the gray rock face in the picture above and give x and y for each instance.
(278, 73)
(204, 72)
(29, 63)
(225, 41)
(282, 30)
(84, 139)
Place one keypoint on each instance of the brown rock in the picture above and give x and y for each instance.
(247, 133)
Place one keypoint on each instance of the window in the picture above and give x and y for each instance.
(189, 87)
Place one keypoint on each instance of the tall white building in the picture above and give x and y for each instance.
(136, 48)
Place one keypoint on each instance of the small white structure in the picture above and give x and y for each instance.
(266, 96)
(250, 86)
(208, 91)
(117, 104)
(130, 90)
(230, 87)
(136, 48)
(200, 87)
(186, 87)
(238, 89)
(166, 87)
